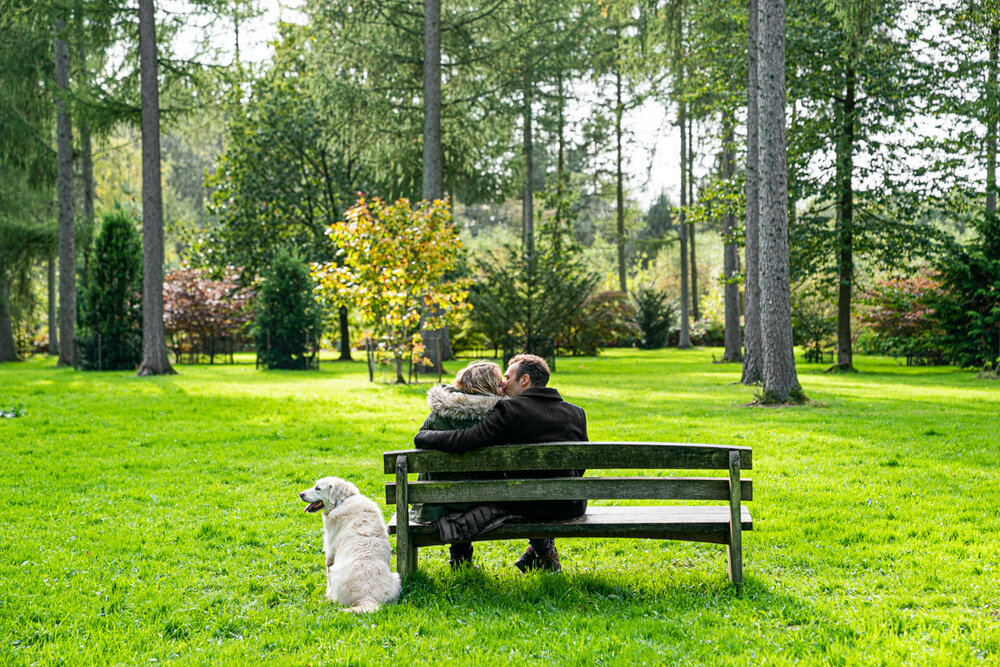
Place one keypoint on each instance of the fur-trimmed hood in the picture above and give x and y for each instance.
(450, 403)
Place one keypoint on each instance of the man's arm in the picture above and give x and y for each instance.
(492, 430)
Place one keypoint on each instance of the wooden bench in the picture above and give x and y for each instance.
(720, 524)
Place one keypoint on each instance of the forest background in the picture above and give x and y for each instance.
(544, 115)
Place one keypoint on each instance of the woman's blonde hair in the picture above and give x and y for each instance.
(479, 377)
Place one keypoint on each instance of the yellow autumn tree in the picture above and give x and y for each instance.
(390, 260)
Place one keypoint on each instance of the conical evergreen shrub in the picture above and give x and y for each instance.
(288, 323)
(111, 308)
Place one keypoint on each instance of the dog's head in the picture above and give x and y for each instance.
(328, 493)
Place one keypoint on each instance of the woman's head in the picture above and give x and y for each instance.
(479, 377)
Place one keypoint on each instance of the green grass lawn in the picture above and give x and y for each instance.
(157, 520)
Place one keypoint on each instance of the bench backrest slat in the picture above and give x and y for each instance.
(571, 488)
(560, 456)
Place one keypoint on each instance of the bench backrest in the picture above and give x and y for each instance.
(570, 455)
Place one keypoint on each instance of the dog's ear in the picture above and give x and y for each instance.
(341, 490)
(350, 490)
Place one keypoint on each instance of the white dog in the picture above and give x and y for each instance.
(356, 544)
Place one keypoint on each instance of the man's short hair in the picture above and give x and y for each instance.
(532, 366)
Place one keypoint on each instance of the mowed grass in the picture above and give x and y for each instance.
(157, 520)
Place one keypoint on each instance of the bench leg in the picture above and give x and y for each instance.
(411, 559)
(406, 556)
(735, 546)
(406, 552)
(735, 554)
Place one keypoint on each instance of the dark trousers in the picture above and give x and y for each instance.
(463, 550)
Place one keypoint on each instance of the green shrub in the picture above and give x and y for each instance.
(708, 332)
(288, 323)
(111, 307)
(654, 314)
(523, 307)
(967, 308)
(814, 321)
(607, 319)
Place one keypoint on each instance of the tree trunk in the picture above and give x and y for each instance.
(529, 167)
(154, 348)
(696, 315)
(620, 180)
(992, 240)
(86, 163)
(67, 236)
(845, 226)
(8, 346)
(87, 183)
(345, 335)
(53, 326)
(399, 370)
(684, 341)
(731, 254)
(752, 354)
(433, 154)
(781, 383)
(560, 169)
(433, 159)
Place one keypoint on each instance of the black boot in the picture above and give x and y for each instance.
(461, 555)
(535, 558)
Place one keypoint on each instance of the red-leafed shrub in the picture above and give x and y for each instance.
(900, 319)
(203, 315)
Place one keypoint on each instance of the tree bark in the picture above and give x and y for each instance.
(87, 184)
(752, 355)
(691, 230)
(845, 225)
(992, 118)
(154, 348)
(8, 346)
(67, 236)
(529, 167)
(684, 341)
(560, 168)
(433, 157)
(53, 322)
(620, 180)
(86, 161)
(731, 254)
(345, 335)
(781, 383)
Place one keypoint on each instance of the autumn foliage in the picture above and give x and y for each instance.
(391, 259)
(205, 315)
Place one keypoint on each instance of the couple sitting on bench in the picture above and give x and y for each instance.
(473, 414)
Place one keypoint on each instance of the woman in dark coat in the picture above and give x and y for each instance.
(473, 396)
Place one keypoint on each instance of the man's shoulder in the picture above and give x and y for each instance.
(540, 394)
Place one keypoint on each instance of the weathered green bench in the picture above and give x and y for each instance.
(720, 524)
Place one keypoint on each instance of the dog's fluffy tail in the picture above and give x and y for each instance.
(369, 605)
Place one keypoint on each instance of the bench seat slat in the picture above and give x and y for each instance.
(694, 524)
(560, 456)
(571, 488)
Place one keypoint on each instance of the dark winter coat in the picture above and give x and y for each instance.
(451, 409)
(537, 415)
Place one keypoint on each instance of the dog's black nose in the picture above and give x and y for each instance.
(302, 495)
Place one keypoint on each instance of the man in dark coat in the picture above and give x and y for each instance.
(534, 413)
